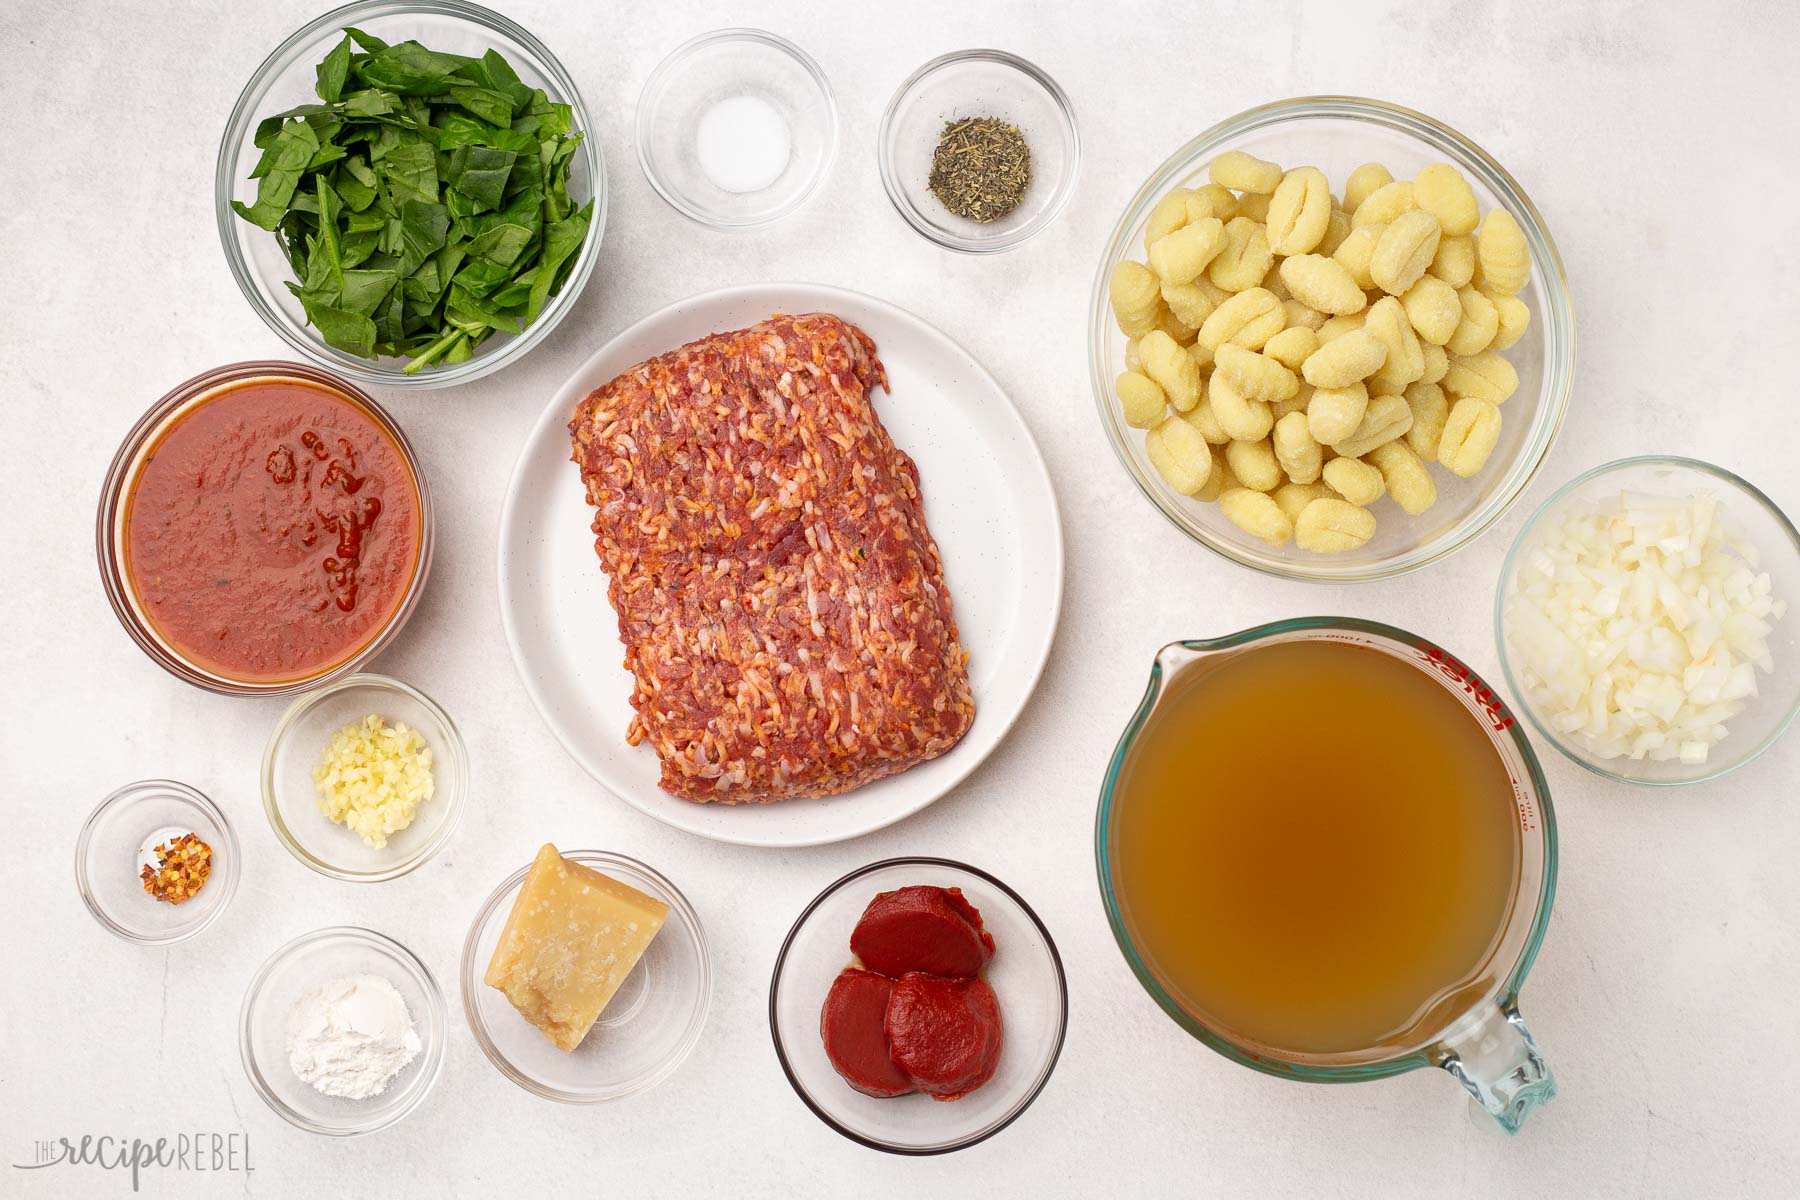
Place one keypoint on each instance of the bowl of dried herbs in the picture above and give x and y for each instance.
(978, 151)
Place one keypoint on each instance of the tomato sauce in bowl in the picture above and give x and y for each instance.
(265, 527)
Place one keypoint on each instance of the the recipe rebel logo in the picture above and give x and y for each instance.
(224, 1153)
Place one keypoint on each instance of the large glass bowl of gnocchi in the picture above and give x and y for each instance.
(1331, 339)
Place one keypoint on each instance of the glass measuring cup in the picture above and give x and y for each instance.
(1486, 1046)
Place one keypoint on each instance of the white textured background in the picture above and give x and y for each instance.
(1659, 141)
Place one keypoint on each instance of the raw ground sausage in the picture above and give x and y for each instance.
(781, 601)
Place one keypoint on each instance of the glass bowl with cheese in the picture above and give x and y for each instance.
(364, 779)
(586, 976)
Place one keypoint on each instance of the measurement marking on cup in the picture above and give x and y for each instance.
(1491, 704)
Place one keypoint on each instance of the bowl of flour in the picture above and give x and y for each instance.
(342, 1031)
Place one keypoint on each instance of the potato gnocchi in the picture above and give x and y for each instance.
(1297, 359)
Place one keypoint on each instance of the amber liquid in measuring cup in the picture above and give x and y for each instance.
(1317, 850)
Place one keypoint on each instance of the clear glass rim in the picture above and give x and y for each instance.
(438, 1022)
(1025, 1101)
(675, 57)
(225, 177)
(909, 212)
(1557, 321)
(454, 760)
(123, 469)
(223, 876)
(1556, 500)
(1261, 1060)
(677, 901)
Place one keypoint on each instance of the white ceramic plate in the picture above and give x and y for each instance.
(988, 501)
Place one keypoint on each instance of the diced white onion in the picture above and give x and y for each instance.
(1638, 626)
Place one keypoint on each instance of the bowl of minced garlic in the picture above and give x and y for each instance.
(373, 777)
(379, 762)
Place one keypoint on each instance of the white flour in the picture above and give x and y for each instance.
(351, 1036)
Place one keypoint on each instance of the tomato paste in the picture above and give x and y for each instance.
(853, 1025)
(922, 928)
(272, 530)
(944, 1033)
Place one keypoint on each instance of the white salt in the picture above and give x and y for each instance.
(742, 143)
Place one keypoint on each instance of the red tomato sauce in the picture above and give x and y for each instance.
(272, 530)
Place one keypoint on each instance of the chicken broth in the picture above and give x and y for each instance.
(1315, 848)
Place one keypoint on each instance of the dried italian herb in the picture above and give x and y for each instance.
(981, 168)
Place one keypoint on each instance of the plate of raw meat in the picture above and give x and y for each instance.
(780, 564)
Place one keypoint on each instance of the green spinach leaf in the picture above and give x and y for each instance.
(409, 69)
(485, 103)
(411, 171)
(334, 71)
(480, 173)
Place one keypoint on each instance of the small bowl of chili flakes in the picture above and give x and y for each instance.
(156, 862)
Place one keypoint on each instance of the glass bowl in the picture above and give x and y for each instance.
(647, 1030)
(110, 528)
(286, 79)
(1026, 974)
(978, 83)
(291, 800)
(1336, 133)
(110, 853)
(719, 66)
(1766, 715)
(299, 967)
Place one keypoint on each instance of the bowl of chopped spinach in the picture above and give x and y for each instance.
(411, 193)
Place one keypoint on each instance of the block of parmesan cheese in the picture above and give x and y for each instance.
(570, 941)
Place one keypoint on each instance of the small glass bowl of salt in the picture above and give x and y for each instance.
(736, 128)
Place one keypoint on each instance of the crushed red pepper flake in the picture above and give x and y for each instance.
(183, 865)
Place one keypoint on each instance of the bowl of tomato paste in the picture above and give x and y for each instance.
(918, 1006)
(264, 528)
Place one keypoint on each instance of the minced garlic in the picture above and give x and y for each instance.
(373, 777)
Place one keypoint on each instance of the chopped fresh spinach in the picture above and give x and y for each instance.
(423, 203)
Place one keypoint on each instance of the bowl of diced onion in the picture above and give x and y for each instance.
(1643, 625)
